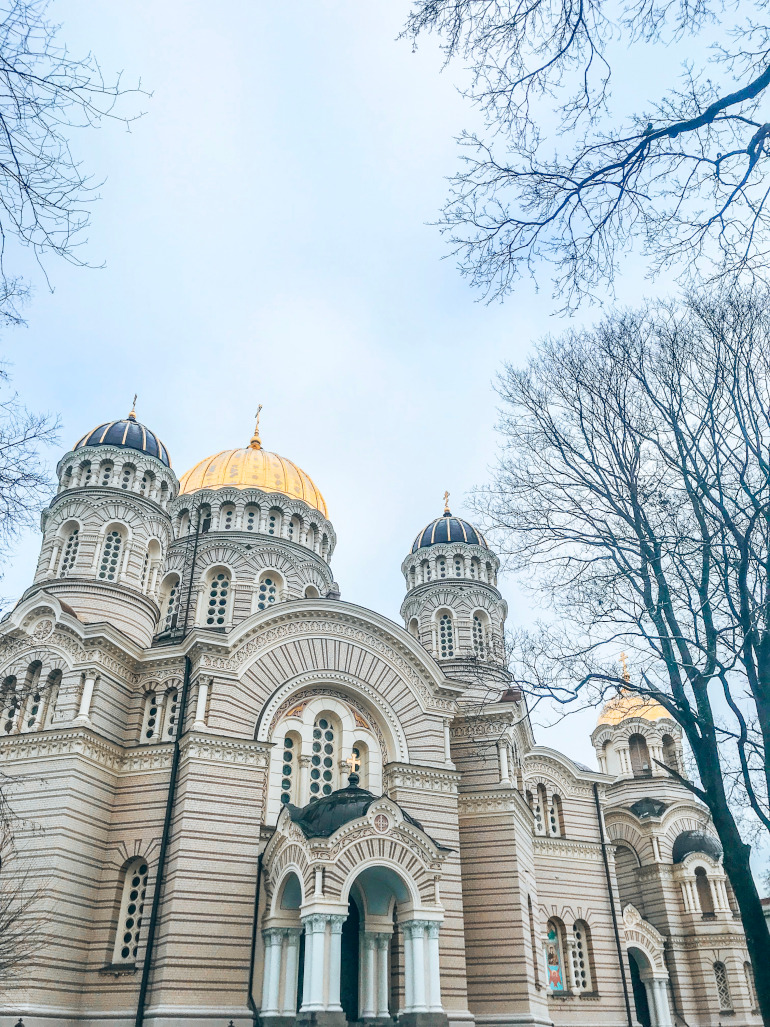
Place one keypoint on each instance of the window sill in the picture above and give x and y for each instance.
(727, 1012)
(119, 969)
(590, 995)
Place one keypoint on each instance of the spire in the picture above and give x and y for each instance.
(132, 415)
(447, 512)
(256, 441)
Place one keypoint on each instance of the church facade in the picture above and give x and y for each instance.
(241, 798)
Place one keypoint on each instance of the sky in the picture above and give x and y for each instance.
(265, 234)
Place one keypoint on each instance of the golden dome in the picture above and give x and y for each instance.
(627, 705)
(253, 468)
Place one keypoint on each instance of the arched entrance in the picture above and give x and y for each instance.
(641, 1004)
(650, 990)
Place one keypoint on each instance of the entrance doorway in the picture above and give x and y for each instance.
(349, 970)
(640, 993)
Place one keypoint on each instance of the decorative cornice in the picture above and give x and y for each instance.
(567, 848)
(424, 779)
(214, 748)
(86, 744)
(496, 803)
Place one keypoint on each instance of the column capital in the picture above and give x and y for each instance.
(336, 921)
(315, 923)
(271, 933)
(433, 928)
(416, 928)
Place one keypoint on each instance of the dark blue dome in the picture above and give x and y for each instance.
(695, 841)
(448, 529)
(127, 434)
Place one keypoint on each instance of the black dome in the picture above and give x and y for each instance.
(448, 529)
(127, 434)
(695, 841)
(322, 817)
(647, 807)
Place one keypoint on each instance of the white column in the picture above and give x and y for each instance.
(408, 968)
(318, 884)
(502, 759)
(649, 987)
(315, 942)
(84, 713)
(200, 707)
(661, 1003)
(270, 986)
(434, 969)
(383, 979)
(335, 961)
(418, 965)
(290, 974)
(447, 743)
(52, 561)
(307, 977)
(368, 988)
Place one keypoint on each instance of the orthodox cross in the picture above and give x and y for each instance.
(446, 502)
(624, 664)
(354, 762)
(256, 442)
(133, 408)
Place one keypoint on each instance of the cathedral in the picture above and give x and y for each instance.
(241, 799)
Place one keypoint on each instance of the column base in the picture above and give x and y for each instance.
(278, 1020)
(321, 1018)
(434, 1019)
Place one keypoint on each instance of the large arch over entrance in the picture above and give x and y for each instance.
(649, 976)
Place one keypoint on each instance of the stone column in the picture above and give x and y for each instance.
(502, 758)
(335, 962)
(200, 706)
(406, 931)
(315, 948)
(434, 969)
(415, 964)
(307, 977)
(368, 963)
(383, 978)
(270, 985)
(84, 712)
(649, 987)
(662, 1005)
(289, 1004)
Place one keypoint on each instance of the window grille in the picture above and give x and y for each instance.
(218, 592)
(108, 568)
(446, 637)
(322, 758)
(287, 770)
(581, 973)
(723, 987)
(70, 553)
(268, 592)
(131, 910)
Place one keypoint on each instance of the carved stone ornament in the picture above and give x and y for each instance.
(43, 629)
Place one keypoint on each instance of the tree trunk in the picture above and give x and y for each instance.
(738, 870)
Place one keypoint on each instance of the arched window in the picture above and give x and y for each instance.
(446, 638)
(227, 518)
(147, 484)
(251, 518)
(171, 718)
(151, 718)
(474, 568)
(312, 533)
(164, 494)
(218, 596)
(10, 700)
(749, 973)
(414, 628)
(640, 756)
(151, 565)
(539, 808)
(555, 818)
(127, 476)
(69, 551)
(426, 571)
(411, 577)
(85, 474)
(294, 529)
(490, 574)
(311, 592)
(359, 762)
(274, 522)
(554, 947)
(105, 473)
(204, 518)
(269, 590)
(323, 758)
(290, 768)
(52, 697)
(183, 523)
(109, 567)
(703, 888)
(723, 987)
(581, 956)
(441, 567)
(169, 603)
(131, 912)
(458, 566)
(480, 636)
(325, 547)
(34, 698)
(669, 752)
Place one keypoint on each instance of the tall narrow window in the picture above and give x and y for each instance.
(669, 752)
(34, 698)
(723, 987)
(290, 767)
(474, 568)
(441, 567)
(458, 566)
(106, 474)
(9, 703)
(252, 518)
(555, 820)
(640, 756)
(127, 476)
(359, 763)
(69, 553)
(269, 590)
(446, 639)
(581, 964)
(85, 474)
(322, 758)
(540, 808)
(170, 723)
(131, 911)
(228, 518)
(219, 589)
(108, 568)
(750, 985)
(295, 527)
(146, 483)
(52, 697)
(479, 637)
(151, 718)
(170, 606)
(274, 522)
(554, 967)
(703, 888)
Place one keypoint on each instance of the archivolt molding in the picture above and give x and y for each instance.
(299, 688)
(541, 769)
(566, 912)
(640, 933)
(122, 853)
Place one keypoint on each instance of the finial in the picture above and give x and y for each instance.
(256, 442)
(446, 505)
(132, 415)
(354, 762)
(624, 664)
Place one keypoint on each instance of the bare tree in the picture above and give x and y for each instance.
(554, 175)
(46, 94)
(21, 914)
(634, 489)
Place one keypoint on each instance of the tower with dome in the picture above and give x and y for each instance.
(242, 798)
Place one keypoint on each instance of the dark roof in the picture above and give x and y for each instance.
(126, 434)
(647, 807)
(448, 529)
(695, 841)
(322, 817)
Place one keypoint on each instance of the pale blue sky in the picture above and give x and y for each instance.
(265, 234)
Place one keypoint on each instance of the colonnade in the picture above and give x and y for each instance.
(322, 968)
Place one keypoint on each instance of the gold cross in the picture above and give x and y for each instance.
(624, 664)
(256, 442)
(354, 763)
(446, 502)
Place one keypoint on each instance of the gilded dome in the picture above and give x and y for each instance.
(253, 468)
(627, 705)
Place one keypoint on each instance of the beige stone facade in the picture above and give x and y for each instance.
(243, 798)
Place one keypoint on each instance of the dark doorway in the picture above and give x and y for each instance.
(301, 976)
(640, 993)
(350, 960)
